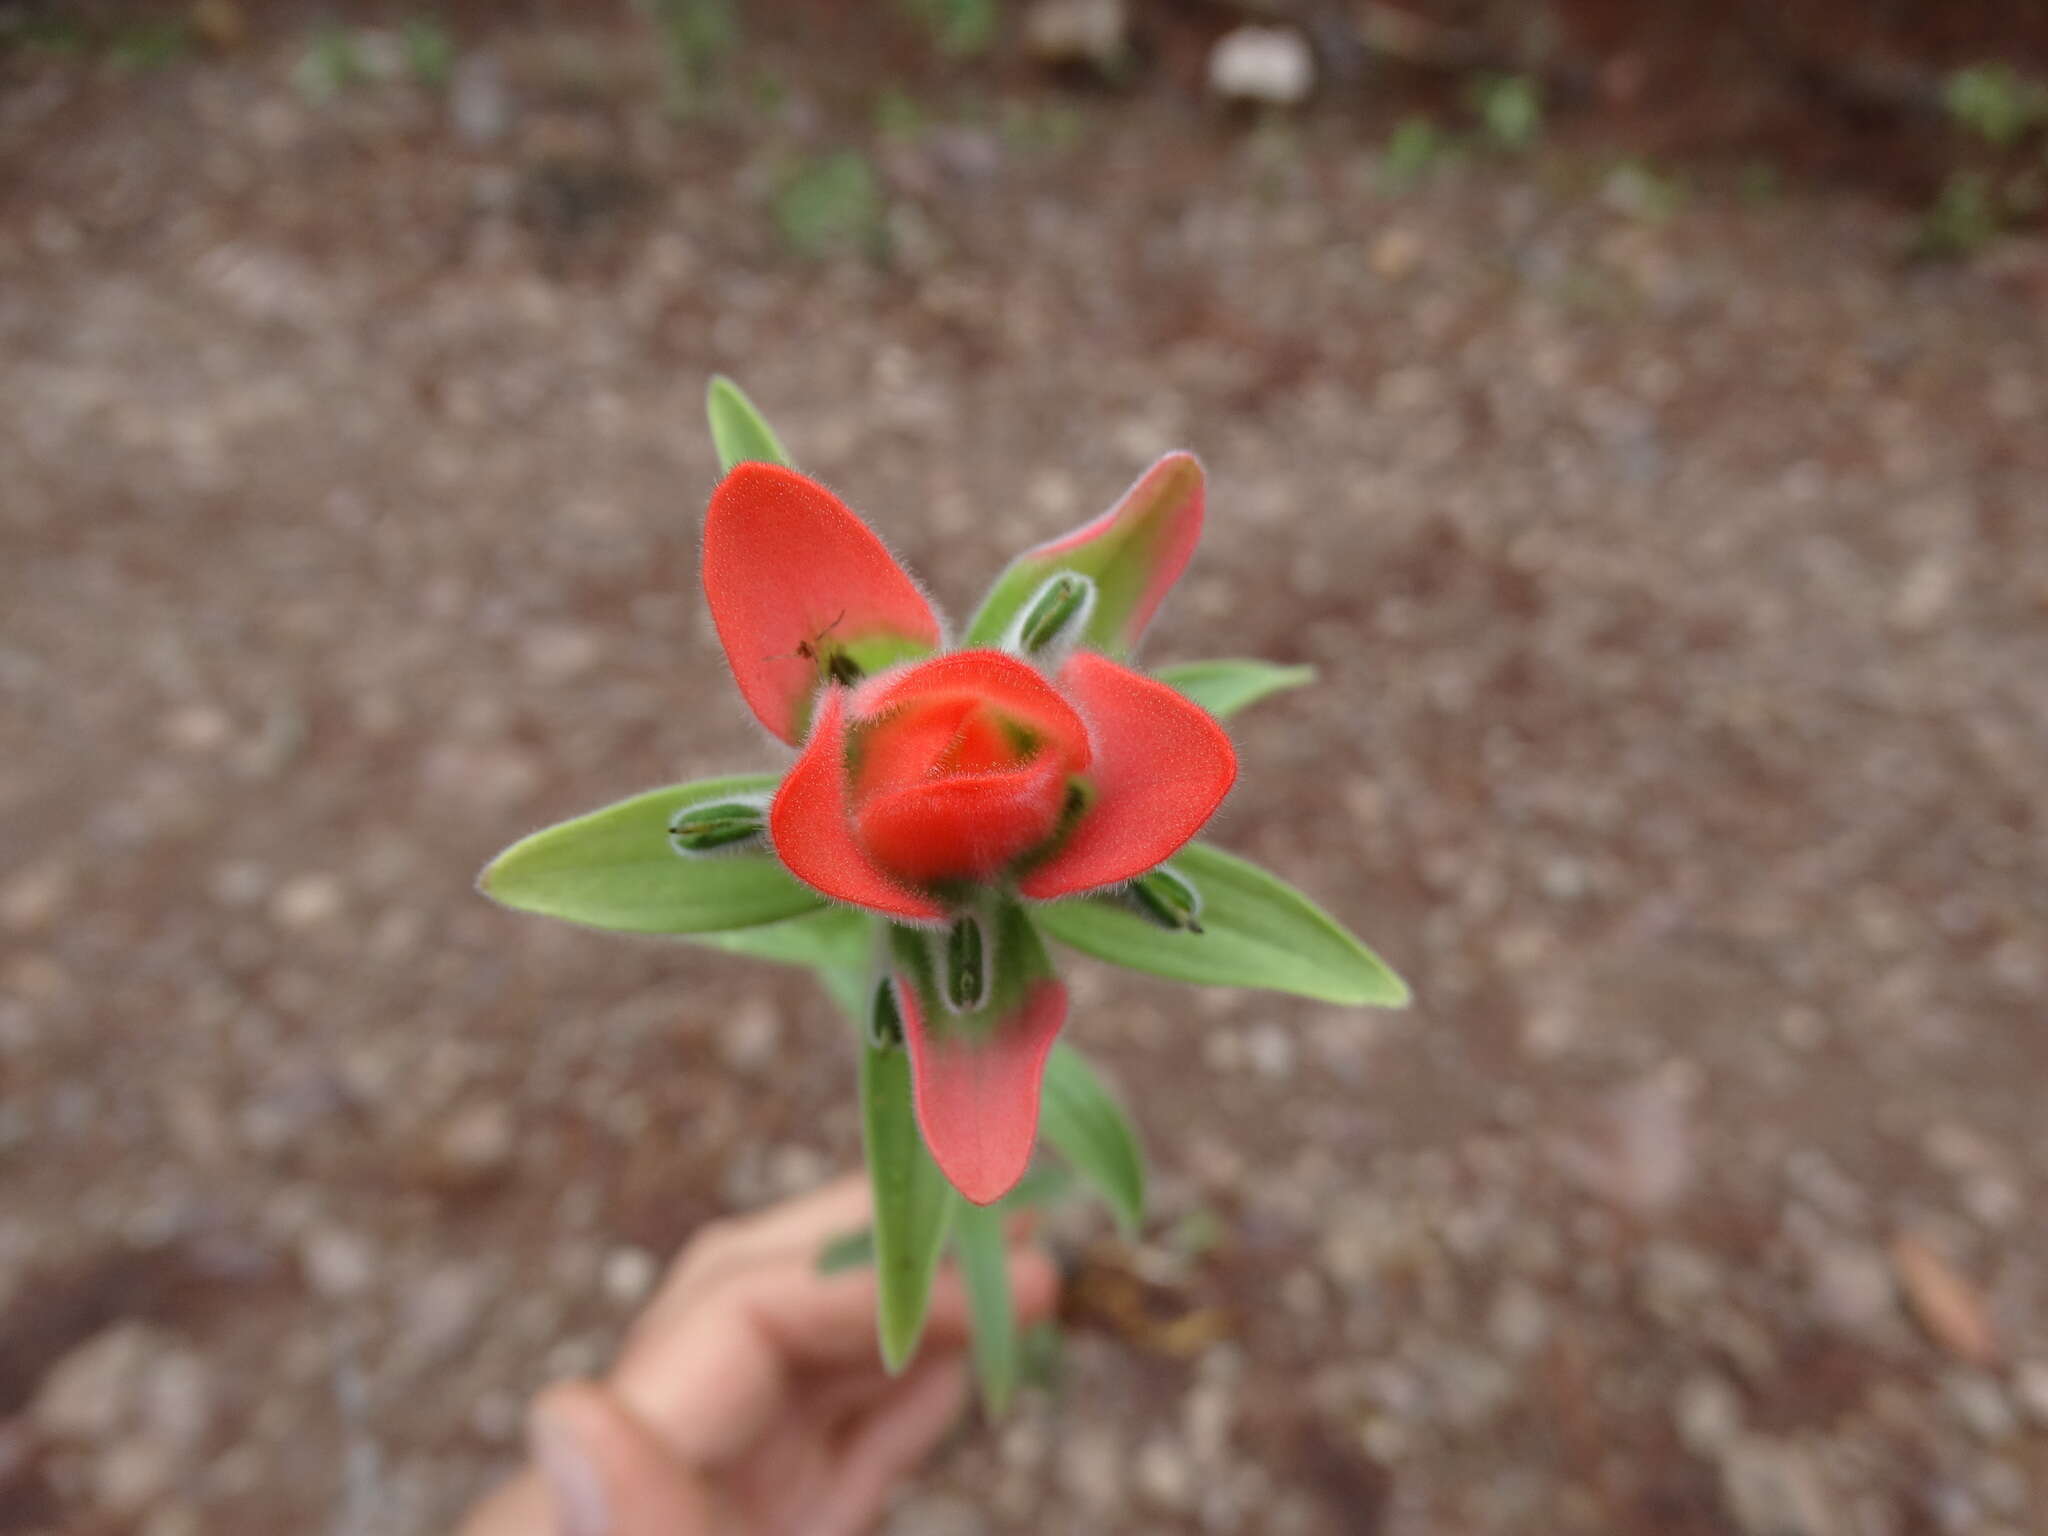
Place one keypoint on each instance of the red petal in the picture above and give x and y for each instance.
(788, 564)
(977, 1093)
(1011, 687)
(967, 826)
(1162, 766)
(813, 834)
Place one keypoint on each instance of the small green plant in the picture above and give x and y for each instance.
(148, 45)
(898, 115)
(1042, 128)
(1417, 148)
(429, 51)
(1639, 190)
(959, 29)
(831, 204)
(1967, 215)
(1510, 110)
(695, 35)
(1996, 103)
(332, 63)
(43, 34)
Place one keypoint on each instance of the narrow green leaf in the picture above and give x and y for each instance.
(1080, 1117)
(832, 938)
(848, 1251)
(614, 869)
(739, 431)
(985, 1270)
(1045, 1183)
(1042, 1362)
(913, 1202)
(1257, 931)
(1224, 687)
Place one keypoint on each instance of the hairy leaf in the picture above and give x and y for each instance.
(1225, 686)
(1084, 1121)
(913, 1202)
(1257, 931)
(614, 868)
(738, 430)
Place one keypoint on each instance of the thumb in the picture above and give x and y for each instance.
(605, 1474)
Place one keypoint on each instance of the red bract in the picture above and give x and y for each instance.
(930, 785)
(978, 1099)
(792, 574)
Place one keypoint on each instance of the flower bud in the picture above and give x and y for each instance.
(966, 965)
(885, 1019)
(718, 826)
(1056, 616)
(1166, 898)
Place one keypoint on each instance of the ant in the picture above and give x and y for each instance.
(838, 666)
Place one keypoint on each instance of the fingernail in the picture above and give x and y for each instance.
(574, 1489)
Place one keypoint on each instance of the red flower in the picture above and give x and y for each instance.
(932, 785)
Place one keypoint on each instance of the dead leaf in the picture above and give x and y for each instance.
(1111, 1291)
(1949, 1307)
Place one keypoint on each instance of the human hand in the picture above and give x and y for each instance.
(750, 1398)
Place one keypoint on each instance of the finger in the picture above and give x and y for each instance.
(714, 1380)
(605, 1475)
(717, 1376)
(518, 1508)
(890, 1443)
(801, 1226)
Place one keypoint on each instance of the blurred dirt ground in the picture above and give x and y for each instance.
(1680, 592)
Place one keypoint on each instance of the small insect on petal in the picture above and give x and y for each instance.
(885, 1019)
(718, 826)
(966, 966)
(1166, 898)
(1057, 617)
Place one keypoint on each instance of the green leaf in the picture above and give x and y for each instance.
(913, 1201)
(835, 943)
(834, 938)
(832, 204)
(614, 869)
(1257, 932)
(1225, 687)
(1080, 1117)
(848, 1251)
(985, 1270)
(741, 434)
(1044, 1183)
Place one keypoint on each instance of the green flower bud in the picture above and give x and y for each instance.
(885, 1020)
(1166, 898)
(718, 826)
(966, 966)
(1057, 616)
